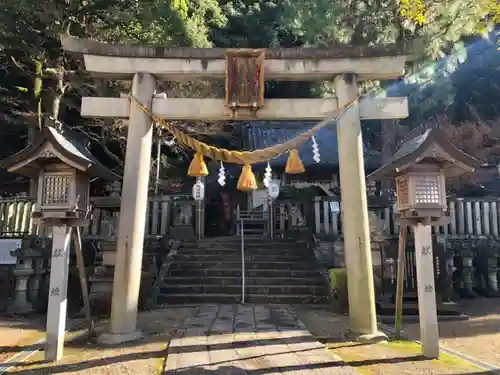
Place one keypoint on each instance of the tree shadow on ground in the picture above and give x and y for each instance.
(18, 349)
(81, 366)
(28, 321)
(222, 367)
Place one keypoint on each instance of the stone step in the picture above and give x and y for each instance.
(235, 238)
(183, 280)
(316, 290)
(287, 299)
(257, 228)
(276, 272)
(198, 298)
(247, 243)
(256, 251)
(194, 264)
(236, 298)
(203, 257)
(236, 272)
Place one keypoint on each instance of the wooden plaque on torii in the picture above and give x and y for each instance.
(245, 79)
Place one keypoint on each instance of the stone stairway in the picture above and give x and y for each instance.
(276, 272)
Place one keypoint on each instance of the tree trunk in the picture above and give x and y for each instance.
(32, 130)
(59, 91)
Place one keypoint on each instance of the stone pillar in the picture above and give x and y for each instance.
(58, 292)
(355, 213)
(427, 309)
(132, 221)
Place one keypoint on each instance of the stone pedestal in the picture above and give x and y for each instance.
(37, 298)
(492, 284)
(22, 273)
(183, 221)
(184, 232)
(467, 274)
(101, 282)
(377, 266)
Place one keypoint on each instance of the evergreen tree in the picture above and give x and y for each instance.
(37, 79)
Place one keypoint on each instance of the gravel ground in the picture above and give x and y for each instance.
(16, 333)
(145, 357)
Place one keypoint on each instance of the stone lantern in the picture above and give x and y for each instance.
(63, 167)
(420, 168)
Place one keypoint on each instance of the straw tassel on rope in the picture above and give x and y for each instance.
(198, 167)
(294, 165)
(247, 181)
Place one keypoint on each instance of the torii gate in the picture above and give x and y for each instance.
(145, 65)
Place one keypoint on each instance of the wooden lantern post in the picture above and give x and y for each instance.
(63, 168)
(420, 168)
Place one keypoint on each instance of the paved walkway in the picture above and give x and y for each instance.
(230, 339)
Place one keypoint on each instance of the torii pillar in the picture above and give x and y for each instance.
(357, 244)
(349, 65)
(132, 220)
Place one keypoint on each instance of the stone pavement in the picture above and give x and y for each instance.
(236, 339)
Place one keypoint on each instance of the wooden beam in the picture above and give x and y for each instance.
(365, 68)
(215, 110)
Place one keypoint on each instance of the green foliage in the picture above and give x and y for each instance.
(38, 80)
(430, 90)
(368, 22)
(261, 24)
(420, 12)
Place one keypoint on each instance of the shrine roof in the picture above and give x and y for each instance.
(93, 47)
(69, 144)
(262, 134)
(414, 148)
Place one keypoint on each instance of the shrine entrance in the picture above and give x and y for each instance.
(220, 218)
(244, 72)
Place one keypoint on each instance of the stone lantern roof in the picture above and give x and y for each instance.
(53, 142)
(432, 145)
